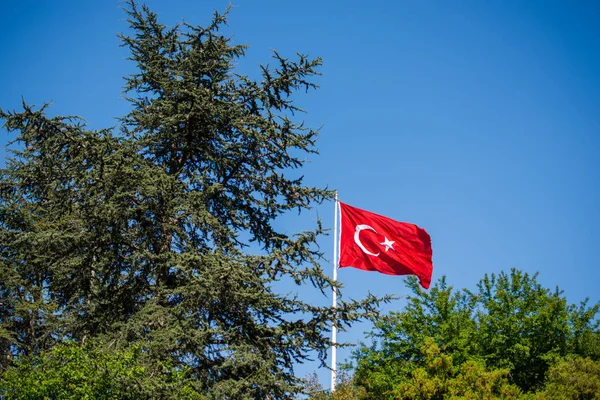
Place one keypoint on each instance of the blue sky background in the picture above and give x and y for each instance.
(477, 120)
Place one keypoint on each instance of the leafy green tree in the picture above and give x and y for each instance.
(522, 326)
(511, 323)
(440, 313)
(162, 232)
(573, 378)
(77, 372)
(438, 378)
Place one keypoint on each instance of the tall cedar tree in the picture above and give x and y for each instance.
(142, 235)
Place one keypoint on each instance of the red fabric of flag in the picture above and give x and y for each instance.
(373, 242)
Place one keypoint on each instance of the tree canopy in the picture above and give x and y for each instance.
(161, 231)
(508, 339)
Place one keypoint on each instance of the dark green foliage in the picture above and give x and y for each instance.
(511, 323)
(163, 233)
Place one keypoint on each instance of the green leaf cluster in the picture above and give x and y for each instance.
(69, 371)
(574, 377)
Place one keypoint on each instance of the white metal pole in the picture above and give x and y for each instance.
(335, 267)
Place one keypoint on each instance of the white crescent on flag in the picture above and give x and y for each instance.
(357, 238)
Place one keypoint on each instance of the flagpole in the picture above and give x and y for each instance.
(335, 267)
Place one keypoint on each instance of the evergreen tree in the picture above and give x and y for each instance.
(143, 234)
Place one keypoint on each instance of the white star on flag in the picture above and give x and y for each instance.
(389, 244)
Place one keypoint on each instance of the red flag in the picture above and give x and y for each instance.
(373, 242)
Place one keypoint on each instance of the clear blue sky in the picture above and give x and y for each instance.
(477, 120)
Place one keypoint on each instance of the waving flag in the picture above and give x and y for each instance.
(373, 242)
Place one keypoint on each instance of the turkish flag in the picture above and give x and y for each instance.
(373, 242)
